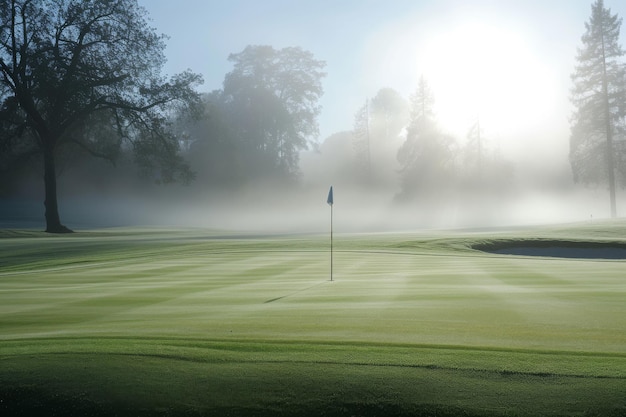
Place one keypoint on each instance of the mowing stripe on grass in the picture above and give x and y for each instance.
(256, 322)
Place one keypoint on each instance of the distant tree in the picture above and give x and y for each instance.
(270, 100)
(334, 162)
(85, 75)
(599, 98)
(483, 170)
(475, 149)
(390, 114)
(221, 147)
(211, 146)
(377, 127)
(427, 155)
(362, 139)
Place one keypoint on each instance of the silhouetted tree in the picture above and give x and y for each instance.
(427, 155)
(599, 98)
(85, 75)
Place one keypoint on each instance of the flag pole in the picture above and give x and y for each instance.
(330, 203)
(331, 242)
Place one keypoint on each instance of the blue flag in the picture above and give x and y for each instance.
(329, 200)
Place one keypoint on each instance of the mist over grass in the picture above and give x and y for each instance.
(289, 209)
(537, 195)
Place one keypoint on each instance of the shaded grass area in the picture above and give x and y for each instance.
(193, 322)
(156, 386)
(165, 377)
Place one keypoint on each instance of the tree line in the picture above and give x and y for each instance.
(83, 79)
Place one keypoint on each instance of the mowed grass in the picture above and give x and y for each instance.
(196, 322)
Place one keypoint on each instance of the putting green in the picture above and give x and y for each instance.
(257, 320)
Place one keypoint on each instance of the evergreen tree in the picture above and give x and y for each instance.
(599, 98)
(426, 157)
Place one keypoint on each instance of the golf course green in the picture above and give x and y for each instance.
(193, 322)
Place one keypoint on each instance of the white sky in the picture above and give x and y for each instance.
(509, 61)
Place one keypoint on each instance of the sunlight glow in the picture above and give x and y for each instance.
(480, 70)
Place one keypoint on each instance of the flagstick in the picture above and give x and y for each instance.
(331, 242)
(330, 201)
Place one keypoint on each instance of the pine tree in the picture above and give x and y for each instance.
(599, 99)
(426, 157)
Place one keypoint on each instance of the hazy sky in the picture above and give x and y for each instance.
(507, 61)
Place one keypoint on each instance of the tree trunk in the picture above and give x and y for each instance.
(611, 169)
(53, 221)
(609, 134)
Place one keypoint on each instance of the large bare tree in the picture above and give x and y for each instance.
(87, 74)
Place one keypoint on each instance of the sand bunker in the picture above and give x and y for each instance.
(556, 249)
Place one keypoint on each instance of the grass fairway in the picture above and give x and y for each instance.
(192, 322)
